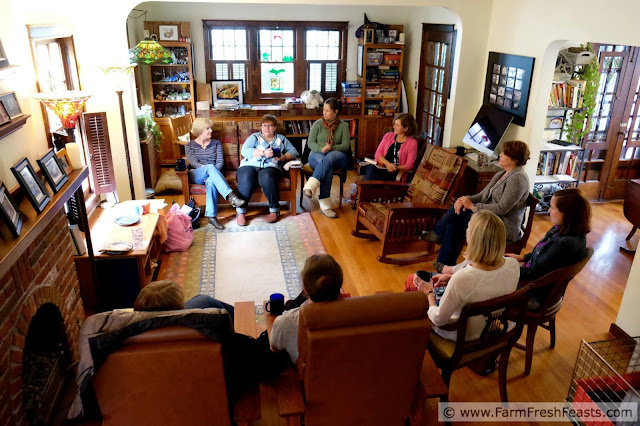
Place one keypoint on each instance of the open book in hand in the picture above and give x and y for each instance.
(373, 162)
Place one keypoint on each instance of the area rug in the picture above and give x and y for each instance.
(246, 263)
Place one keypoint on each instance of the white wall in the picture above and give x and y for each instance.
(533, 28)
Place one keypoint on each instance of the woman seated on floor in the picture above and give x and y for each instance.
(206, 160)
(564, 244)
(487, 275)
(397, 151)
(505, 195)
(263, 153)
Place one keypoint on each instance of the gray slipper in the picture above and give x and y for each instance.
(330, 214)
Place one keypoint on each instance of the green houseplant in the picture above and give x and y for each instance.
(146, 126)
(576, 128)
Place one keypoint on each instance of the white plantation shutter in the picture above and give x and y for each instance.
(315, 76)
(331, 77)
(222, 71)
(96, 134)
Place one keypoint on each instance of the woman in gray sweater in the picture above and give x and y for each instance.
(505, 195)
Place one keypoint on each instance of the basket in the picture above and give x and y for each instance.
(606, 373)
(581, 58)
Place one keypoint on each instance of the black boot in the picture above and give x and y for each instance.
(235, 200)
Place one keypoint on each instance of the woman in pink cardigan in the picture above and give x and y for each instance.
(397, 151)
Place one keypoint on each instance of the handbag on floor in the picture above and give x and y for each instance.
(180, 232)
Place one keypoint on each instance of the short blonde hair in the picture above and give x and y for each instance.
(164, 295)
(487, 239)
(200, 125)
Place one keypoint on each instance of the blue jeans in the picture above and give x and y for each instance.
(452, 230)
(323, 166)
(269, 180)
(202, 301)
(214, 183)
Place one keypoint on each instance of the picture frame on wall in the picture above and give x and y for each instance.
(10, 102)
(4, 115)
(226, 92)
(52, 170)
(168, 33)
(509, 76)
(9, 211)
(64, 160)
(30, 183)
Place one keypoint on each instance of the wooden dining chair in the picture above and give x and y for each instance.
(527, 223)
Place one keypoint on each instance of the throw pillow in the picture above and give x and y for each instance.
(184, 139)
(169, 182)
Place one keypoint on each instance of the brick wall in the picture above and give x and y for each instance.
(45, 273)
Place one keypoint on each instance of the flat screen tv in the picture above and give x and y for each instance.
(487, 129)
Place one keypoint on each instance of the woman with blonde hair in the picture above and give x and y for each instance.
(206, 159)
(488, 275)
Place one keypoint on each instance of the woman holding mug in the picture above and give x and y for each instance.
(329, 143)
(397, 151)
(263, 152)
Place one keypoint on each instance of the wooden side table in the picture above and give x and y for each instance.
(119, 277)
(476, 178)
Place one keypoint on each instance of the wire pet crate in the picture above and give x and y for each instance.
(607, 373)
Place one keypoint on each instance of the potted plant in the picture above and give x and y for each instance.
(576, 127)
(147, 126)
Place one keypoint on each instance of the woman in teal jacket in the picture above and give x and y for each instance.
(329, 143)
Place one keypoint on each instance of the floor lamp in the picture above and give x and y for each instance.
(67, 106)
(119, 76)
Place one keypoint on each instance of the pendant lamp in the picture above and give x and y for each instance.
(149, 52)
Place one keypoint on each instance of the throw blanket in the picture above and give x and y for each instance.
(103, 333)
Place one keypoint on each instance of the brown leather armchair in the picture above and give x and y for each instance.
(170, 376)
(360, 362)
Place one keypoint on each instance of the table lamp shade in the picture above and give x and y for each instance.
(65, 105)
(149, 52)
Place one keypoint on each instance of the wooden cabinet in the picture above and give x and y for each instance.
(371, 131)
(172, 90)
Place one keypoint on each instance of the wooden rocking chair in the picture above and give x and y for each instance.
(396, 213)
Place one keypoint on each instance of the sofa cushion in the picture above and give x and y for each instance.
(226, 133)
(434, 177)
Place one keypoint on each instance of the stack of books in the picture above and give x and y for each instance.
(351, 92)
(567, 94)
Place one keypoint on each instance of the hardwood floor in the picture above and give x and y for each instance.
(591, 302)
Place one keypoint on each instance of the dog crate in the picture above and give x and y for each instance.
(606, 375)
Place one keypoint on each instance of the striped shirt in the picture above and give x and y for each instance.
(198, 156)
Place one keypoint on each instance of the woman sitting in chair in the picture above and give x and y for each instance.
(397, 152)
(263, 152)
(206, 160)
(329, 142)
(506, 195)
(487, 275)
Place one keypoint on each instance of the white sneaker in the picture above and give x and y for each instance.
(330, 214)
(325, 206)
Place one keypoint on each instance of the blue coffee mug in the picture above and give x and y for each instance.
(275, 305)
(276, 152)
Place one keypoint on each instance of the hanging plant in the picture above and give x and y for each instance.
(576, 128)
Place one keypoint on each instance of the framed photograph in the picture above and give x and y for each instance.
(4, 62)
(168, 33)
(11, 104)
(31, 185)
(4, 115)
(514, 85)
(369, 35)
(9, 211)
(226, 92)
(393, 36)
(64, 160)
(53, 170)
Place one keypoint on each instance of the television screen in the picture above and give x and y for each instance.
(487, 129)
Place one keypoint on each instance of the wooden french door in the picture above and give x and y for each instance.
(612, 146)
(434, 80)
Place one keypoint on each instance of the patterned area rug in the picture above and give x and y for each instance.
(246, 263)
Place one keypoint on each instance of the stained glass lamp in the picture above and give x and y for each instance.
(66, 106)
(149, 52)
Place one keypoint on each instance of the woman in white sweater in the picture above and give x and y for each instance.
(488, 275)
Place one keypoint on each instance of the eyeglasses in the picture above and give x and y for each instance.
(267, 125)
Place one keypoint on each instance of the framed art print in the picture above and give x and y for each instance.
(226, 92)
(168, 32)
(11, 104)
(31, 185)
(9, 211)
(508, 83)
(64, 160)
(52, 170)
(4, 115)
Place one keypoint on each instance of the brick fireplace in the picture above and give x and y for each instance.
(40, 306)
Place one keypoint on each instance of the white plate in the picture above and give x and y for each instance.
(127, 220)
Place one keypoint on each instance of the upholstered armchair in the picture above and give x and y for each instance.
(396, 212)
